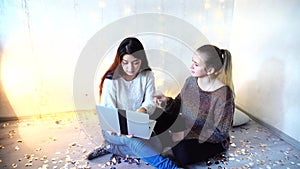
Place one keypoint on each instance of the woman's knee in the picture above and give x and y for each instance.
(182, 157)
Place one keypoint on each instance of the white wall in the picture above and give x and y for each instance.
(54, 52)
(265, 45)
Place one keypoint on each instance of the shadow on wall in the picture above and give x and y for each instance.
(262, 97)
(6, 109)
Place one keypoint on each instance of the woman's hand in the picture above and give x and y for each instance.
(129, 135)
(159, 98)
(142, 110)
(119, 134)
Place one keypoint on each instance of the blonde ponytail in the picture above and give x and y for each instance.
(226, 78)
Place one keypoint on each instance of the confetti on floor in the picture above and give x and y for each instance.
(63, 142)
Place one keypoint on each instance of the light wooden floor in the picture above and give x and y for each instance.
(63, 140)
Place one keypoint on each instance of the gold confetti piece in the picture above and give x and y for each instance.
(27, 156)
(14, 165)
(45, 166)
(28, 164)
(19, 141)
(68, 159)
(52, 138)
(5, 125)
(73, 144)
(11, 133)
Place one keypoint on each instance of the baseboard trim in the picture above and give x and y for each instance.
(293, 142)
(7, 119)
(15, 118)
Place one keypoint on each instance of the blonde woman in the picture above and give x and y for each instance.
(206, 104)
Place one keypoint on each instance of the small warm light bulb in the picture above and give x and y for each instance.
(219, 14)
(207, 5)
(94, 16)
(159, 83)
(102, 4)
(127, 10)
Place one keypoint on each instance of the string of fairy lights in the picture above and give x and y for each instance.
(35, 27)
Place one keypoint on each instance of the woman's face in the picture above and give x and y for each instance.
(198, 68)
(131, 65)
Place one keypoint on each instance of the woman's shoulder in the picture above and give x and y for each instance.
(190, 79)
(108, 82)
(224, 91)
(190, 84)
(111, 80)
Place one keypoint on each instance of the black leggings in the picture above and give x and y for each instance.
(167, 121)
(191, 151)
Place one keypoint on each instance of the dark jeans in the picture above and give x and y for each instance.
(191, 151)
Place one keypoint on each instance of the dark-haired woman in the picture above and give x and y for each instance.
(129, 84)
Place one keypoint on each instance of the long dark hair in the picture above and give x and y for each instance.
(132, 46)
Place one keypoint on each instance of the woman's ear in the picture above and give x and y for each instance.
(210, 71)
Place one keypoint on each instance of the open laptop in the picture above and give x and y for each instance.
(125, 121)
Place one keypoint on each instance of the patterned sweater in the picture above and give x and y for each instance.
(208, 116)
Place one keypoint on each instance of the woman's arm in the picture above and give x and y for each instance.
(108, 97)
(148, 102)
(223, 120)
(223, 117)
